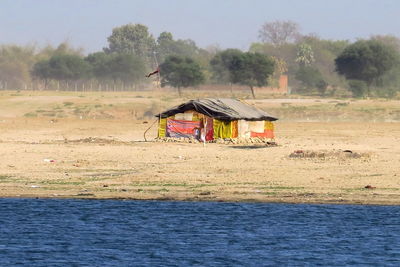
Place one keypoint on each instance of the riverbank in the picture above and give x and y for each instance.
(86, 157)
(309, 164)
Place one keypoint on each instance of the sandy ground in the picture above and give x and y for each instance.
(107, 158)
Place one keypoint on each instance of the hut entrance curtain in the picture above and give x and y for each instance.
(222, 129)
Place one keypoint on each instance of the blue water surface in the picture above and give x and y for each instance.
(50, 232)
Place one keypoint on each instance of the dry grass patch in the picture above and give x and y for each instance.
(328, 154)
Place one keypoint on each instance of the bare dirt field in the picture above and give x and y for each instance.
(91, 145)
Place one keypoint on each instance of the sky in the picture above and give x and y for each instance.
(227, 23)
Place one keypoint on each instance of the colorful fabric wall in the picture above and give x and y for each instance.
(263, 129)
(202, 127)
(267, 133)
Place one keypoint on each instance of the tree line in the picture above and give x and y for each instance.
(314, 65)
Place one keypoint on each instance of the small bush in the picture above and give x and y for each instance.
(30, 115)
(358, 88)
(321, 86)
(311, 78)
(68, 103)
(342, 104)
(388, 92)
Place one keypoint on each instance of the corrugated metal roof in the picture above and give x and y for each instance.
(221, 109)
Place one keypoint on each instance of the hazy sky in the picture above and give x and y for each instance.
(228, 23)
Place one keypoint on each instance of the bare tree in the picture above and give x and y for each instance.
(279, 32)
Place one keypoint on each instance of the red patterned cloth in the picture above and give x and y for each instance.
(179, 128)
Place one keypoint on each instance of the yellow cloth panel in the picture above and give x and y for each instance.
(222, 129)
(217, 126)
(162, 127)
(269, 125)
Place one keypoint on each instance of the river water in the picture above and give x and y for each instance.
(51, 232)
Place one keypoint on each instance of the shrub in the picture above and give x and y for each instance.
(358, 88)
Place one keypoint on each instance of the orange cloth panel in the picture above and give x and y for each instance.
(235, 129)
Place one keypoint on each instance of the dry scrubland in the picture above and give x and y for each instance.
(90, 145)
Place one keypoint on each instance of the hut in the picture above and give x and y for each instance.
(213, 118)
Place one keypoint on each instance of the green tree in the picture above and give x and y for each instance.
(251, 69)
(167, 46)
(68, 67)
(42, 71)
(180, 71)
(357, 87)
(127, 68)
(220, 65)
(389, 40)
(391, 83)
(100, 67)
(64, 48)
(15, 65)
(367, 60)
(391, 79)
(132, 39)
(310, 78)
